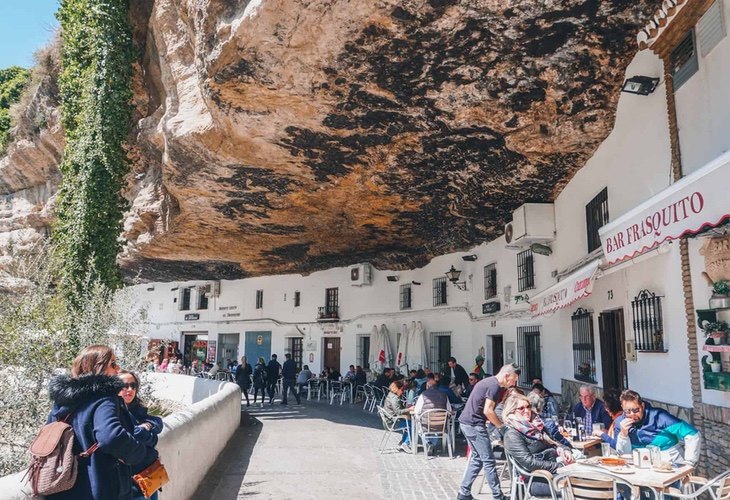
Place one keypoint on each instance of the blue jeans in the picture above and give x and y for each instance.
(406, 426)
(481, 457)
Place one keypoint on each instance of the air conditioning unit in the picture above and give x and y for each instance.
(361, 274)
(531, 223)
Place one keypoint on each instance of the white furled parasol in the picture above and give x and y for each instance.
(375, 349)
(417, 357)
(401, 357)
(387, 352)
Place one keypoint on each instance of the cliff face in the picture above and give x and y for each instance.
(279, 136)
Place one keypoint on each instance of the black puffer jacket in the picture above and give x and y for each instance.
(530, 454)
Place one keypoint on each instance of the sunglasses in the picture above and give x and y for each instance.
(632, 410)
(114, 365)
(520, 408)
(131, 385)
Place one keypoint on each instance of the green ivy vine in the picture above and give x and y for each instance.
(12, 83)
(95, 92)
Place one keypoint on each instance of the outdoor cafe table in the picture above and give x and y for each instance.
(587, 445)
(658, 482)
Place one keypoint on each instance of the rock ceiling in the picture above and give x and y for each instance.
(279, 136)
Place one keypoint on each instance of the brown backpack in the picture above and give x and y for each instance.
(53, 466)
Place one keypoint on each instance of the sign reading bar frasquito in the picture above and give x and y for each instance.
(688, 206)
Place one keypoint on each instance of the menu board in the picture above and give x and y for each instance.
(211, 351)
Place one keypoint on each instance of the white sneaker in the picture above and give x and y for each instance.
(406, 448)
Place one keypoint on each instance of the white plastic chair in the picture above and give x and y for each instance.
(591, 485)
(522, 481)
(718, 488)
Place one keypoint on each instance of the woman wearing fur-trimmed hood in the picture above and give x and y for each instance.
(89, 400)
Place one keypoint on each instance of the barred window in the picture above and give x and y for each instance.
(202, 298)
(683, 60)
(405, 296)
(259, 299)
(185, 294)
(295, 348)
(646, 309)
(490, 281)
(363, 351)
(584, 357)
(596, 216)
(525, 271)
(528, 354)
(439, 291)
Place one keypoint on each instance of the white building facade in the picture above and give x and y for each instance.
(572, 316)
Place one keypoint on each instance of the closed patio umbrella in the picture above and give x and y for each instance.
(417, 357)
(401, 358)
(387, 352)
(376, 365)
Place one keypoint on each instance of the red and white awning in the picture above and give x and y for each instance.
(570, 289)
(688, 206)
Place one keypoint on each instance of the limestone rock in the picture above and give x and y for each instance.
(280, 136)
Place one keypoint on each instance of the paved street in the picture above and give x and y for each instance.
(318, 451)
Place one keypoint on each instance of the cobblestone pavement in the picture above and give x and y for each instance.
(318, 451)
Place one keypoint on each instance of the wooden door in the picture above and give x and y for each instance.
(613, 357)
(332, 352)
(258, 345)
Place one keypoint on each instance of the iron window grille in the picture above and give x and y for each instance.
(331, 304)
(525, 271)
(490, 281)
(363, 351)
(439, 291)
(646, 309)
(296, 349)
(683, 60)
(259, 299)
(584, 354)
(297, 299)
(185, 299)
(202, 299)
(528, 354)
(405, 296)
(596, 216)
(439, 350)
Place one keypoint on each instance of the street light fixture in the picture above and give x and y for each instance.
(640, 85)
(453, 275)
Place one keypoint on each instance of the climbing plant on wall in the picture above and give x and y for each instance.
(12, 82)
(95, 90)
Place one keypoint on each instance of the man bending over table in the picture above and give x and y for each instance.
(642, 425)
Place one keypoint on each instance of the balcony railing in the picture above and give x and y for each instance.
(328, 313)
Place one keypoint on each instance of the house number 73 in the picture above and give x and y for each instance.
(610, 295)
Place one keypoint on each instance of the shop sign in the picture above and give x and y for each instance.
(192, 317)
(490, 307)
(211, 351)
(567, 291)
(688, 206)
(330, 328)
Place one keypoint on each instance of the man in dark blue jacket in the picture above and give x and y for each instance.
(591, 410)
(272, 377)
(289, 376)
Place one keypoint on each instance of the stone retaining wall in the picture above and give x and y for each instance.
(191, 440)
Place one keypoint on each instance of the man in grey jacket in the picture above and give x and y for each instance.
(430, 399)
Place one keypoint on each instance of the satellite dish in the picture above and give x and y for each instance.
(508, 232)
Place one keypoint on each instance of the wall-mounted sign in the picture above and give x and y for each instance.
(311, 345)
(260, 340)
(490, 307)
(192, 317)
(311, 357)
(211, 351)
(330, 328)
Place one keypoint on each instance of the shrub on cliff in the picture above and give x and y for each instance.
(12, 82)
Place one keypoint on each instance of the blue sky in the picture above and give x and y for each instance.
(25, 26)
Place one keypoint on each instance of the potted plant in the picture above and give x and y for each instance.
(720, 295)
(716, 330)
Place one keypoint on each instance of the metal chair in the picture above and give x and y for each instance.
(338, 390)
(718, 488)
(435, 424)
(582, 484)
(369, 397)
(522, 480)
(378, 397)
(312, 388)
(390, 423)
(359, 393)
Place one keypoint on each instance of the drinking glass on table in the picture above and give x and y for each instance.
(598, 426)
(606, 450)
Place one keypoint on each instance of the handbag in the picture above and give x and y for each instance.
(152, 478)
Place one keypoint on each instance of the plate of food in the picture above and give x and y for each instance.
(613, 461)
(622, 469)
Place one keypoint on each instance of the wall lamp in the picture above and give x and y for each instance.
(453, 276)
(469, 258)
(392, 277)
(640, 85)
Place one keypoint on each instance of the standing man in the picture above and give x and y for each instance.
(289, 374)
(456, 373)
(591, 409)
(484, 398)
(272, 376)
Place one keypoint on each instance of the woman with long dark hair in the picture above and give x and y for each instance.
(88, 400)
(147, 427)
(243, 377)
(259, 380)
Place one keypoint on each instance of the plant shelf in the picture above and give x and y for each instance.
(716, 348)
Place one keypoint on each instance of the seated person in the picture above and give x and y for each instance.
(591, 409)
(430, 399)
(213, 370)
(551, 404)
(350, 375)
(333, 374)
(384, 379)
(394, 406)
(552, 429)
(303, 377)
(420, 379)
(410, 390)
(442, 382)
(612, 400)
(642, 425)
(479, 368)
(526, 441)
(473, 379)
